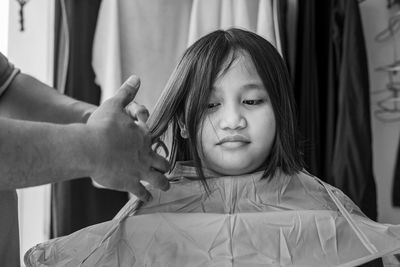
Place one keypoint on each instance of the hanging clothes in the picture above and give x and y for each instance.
(142, 37)
(396, 181)
(259, 16)
(205, 16)
(147, 37)
(61, 46)
(291, 34)
(76, 204)
(310, 71)
(306, 85)
(348, 145)
(282, 9)
(332, 92)
(9, 231)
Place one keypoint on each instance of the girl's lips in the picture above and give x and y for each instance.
(233, 139)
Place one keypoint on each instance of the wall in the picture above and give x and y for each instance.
(32, 52)
(375, 16)
(4, 6)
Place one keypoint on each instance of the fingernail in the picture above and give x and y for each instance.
(143, 115)
(133, 81)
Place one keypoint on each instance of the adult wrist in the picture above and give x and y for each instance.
(85, 149)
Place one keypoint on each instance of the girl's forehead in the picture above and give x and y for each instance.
(238, 69)
(236, 57)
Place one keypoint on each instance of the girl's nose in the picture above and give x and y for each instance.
(232, 119)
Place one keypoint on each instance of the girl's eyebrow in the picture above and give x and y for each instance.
(247, 86)
(252, 86)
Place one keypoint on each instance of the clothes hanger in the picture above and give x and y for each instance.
(389, 107)
(389, 33)
(392, 28)
(392, 68)
(389, 110)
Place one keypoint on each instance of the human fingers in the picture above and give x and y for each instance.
(137, 111)
(159, 163)
(157, 180)
(139, 191)
(126, 92)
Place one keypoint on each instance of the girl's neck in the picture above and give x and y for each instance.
(188, 170)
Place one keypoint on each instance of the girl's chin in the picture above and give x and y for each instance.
(233, 165)
(232, 170)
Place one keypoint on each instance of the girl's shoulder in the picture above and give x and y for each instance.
(245, 193)
(323, 192)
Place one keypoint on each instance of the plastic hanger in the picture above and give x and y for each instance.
(392, 28)
(389, 107)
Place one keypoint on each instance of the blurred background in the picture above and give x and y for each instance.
(343, 57)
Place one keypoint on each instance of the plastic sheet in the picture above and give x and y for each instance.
(242, 221)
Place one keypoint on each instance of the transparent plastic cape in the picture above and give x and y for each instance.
(243, 221)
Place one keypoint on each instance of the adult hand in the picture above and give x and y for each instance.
(122, 154)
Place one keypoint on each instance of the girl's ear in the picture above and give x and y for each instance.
(182, 126)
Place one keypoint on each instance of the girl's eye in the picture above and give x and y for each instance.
(253, 102)
(212, 105)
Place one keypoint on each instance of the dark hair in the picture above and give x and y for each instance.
(187, 92)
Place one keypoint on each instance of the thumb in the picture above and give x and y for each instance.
(127, 91)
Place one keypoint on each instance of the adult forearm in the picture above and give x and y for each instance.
(33, 153)
(113, 147)
(29, 99)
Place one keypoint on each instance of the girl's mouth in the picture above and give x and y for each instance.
(234, 140)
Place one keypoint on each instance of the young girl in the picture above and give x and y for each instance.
(239, 195)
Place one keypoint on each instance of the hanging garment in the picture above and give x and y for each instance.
(282, 9)
(147, 37)
(142, 37)
(396, 180)
(76, 204)
(61, 46)
(332, 92)
(205, 17)
(242, 221)
(259, 16)
(306, 85)
(348, 145)
(291, 31)
(310, 80)
(9, 231)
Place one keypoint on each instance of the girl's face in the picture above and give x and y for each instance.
(238, 128)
